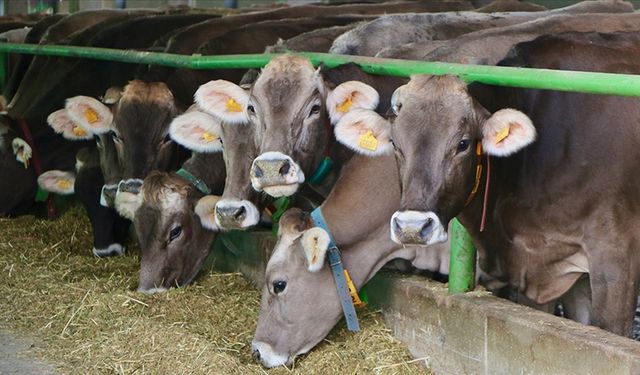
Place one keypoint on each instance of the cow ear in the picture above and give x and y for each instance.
(507, 131)
(62, 124)
(90, 114)
(205, 209)
(315, 242)
(197, 131)
(350, 95)
(58, 182)
(365, 132)
(224, 100)
(22, 151)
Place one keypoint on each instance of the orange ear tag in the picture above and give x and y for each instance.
(357, 302)
(78, 131)
(502, 134)
(91, 115)
(345, 105)
(368, 141)
(208, 137)
(233, 106)
(64, 184)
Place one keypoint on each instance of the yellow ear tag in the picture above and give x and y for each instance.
(233, 106)
(78, 131)
(502, 134)
(208, 137)
(368, 141)
(64, 184)
(345, 105)
(91, 115)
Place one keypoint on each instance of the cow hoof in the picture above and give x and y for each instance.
(114, 250)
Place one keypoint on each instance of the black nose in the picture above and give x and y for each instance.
(256, 354)
(285, 168)
(258, 172)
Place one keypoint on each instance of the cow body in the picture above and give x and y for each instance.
(560, 208)
(391, 30)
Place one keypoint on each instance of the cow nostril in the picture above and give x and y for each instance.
(239, 212)
(426, 228)
(256, 354)
(258, 172)
(285, 168)
(396, 225)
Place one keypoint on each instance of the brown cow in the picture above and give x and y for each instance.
(557, 209)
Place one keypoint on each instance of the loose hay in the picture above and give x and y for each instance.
(91, 319)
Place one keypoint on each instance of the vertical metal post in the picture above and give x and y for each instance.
(74, 6)
(462, 262)
(4, 67)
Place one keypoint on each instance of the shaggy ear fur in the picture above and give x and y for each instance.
(205, 209)
(22, 151)
(365, 132)
(224, 100)
(197, 131)
(90, 114)
(506, 132)
(62, 124)
(350, 95)
(58, 182)
(315, 242)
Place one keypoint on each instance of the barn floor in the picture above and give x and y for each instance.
(89, 318)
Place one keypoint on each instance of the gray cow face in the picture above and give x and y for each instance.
(435, 133)
(289, 109)
(299, 301)
(173, 242)
(138, 124)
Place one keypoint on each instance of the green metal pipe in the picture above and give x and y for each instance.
(587, 82)
(462, 262)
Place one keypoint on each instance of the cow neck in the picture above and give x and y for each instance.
(326, 165)
(37, 164)
(476, 184)
(347, 291)
(195, 181)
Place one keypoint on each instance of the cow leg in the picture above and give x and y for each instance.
(614, 288)
(109, 229)
(576, 302)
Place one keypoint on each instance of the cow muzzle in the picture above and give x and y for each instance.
(234, 214)
(417, 228)
(276, 174)
(108, 195)
(267, 356)
(128, 197)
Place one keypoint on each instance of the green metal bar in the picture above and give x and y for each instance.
(4, 70)
(587, 82)
(462, 262)
(74, 6)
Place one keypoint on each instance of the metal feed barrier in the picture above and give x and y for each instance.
(463, 253)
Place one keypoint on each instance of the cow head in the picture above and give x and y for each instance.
(173, 242)
(287, 107)
(299, 301)
(200, 131)
(137, 122)
(435, 135)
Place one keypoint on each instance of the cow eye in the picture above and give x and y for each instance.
(279, 286)
(251, 109)
(393, 144)
(175, 233)
(463, 145)
(314, 110)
